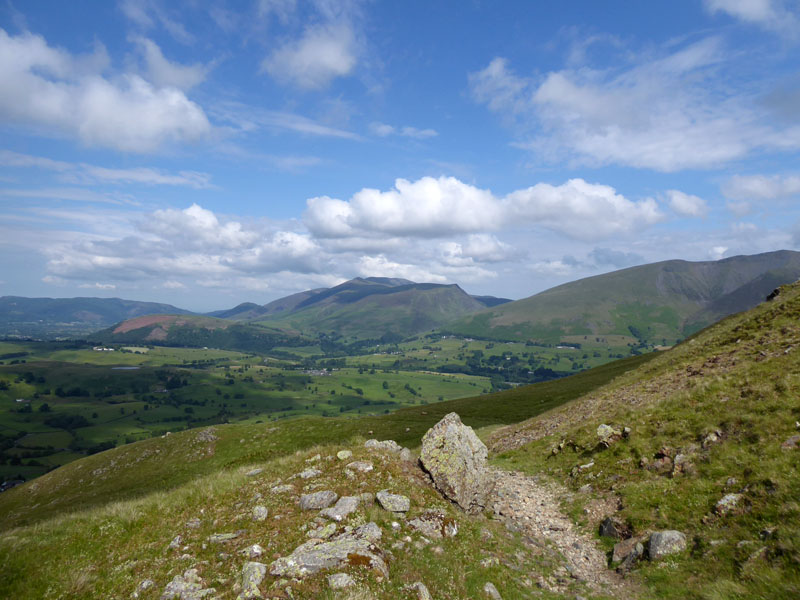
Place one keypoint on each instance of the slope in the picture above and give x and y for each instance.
(656, 304)
(58, 316)
(711, 452)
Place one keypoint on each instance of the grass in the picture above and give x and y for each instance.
(740, 379)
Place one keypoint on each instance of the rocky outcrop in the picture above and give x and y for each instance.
(456, 460)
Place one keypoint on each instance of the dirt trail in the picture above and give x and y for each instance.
(532, 507)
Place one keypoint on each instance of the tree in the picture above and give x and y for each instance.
(44, 408)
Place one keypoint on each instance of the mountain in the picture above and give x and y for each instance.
(372, 308)
(64, 316)
(656, 303)
(195, 331)
(697, 444)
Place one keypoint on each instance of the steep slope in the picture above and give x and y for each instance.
(374, 307)
(655, 303)
(56, 316)
(711, 451)
(195, 331)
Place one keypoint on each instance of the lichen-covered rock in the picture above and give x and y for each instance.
(252, 576)
(663, 543)
(727, 504)
(456, 460)
(624, 548)
(323, 532)
(309, 473)
(434, 524)
(315, 556)
(253, 551)
(318, 500)
(405, 455)
(422, 591)
(221, 538)
(344, 454)
(260, 513)
(188, 586)
(608, 435)
(491, 591)
(282, 489)
(362, 466)
(384, 446)
(343, 507)
(393, 502)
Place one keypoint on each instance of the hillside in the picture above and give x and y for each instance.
(71, 316)
(654, 304)
(195, 331)
(374, 308)
(700, 440)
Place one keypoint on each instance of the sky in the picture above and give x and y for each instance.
(210, 153)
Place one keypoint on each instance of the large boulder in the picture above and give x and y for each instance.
(456, 460)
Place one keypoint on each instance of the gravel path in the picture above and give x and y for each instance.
(533, 509)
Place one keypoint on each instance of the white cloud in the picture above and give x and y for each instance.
(676, 111)
(761, 187)
(165, 73)
(98, 286)
(384, 130)
(773, 15)
(55, 92)
(149, 13)
(171, 284)
(72, 194)
(323, 53)
(439, 207)
(380, 266)
(687, 205)
(248, 118)
(82, 172)
(282, 9)
(717, 252)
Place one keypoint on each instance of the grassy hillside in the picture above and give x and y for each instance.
(372, 309)
(196, 331)
(715, 416)
(655, 304)
(71, 316)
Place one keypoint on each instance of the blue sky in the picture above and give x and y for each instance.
(209, 153)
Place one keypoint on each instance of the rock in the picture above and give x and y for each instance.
(608, 435)
(145, 585)
(727, 504)
(260, 513)
(309, 473)
(393, 502)
(405, 455)
(664, 543)
(456, 460)
(193, 523)
(340, 581)
(323, 532)
(188, 586)
(635, 554)
(491, 591)
(682, 465)
(341, 510)
(221, 538)
(421, 590)
(314, 458)
(176, 542)
(610, 528)
(712, 438)
(252, 576)
(624, 548)
(362, 466)
(253, 551)
(282, 489)
(384, 446)
(434, 524)
(254, 472)
(314, 556)
(367, 498)
(369, 531)
(344, 454)
(318, 500)
(791, 443)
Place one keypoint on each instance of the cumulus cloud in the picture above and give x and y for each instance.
(761, 187)
(687, 205)
(321, 54)
(165, 73)
(432, 207)
(53, 91)
(672, 112)
(384, 130)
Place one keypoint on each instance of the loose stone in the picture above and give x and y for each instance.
(252, 576)
(342, 509)
(663, 543)
(340, 581)
(318, 500)
(491, 591)
(393, 502)
(260, 513)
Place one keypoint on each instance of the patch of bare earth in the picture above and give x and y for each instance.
(145, 321)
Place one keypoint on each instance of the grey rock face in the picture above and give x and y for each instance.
(252, 576)
(624, 548)
(188, 586)
(343, 508)
(393, 502)
(663, 543)
(318, 500)
(323, 532)
(636, 553)
(456, 460)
